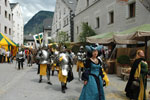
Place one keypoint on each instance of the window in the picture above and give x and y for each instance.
(132, 10)
(5, 2)
(66, 21)
(5, 28)
(87, 3)
(97, 22)
(9, 17)
(49, 33)
(5, 14)
(64, 11)
(32, 44)
(77, 30)
(111, 17)
(9, 31)
(18, 26)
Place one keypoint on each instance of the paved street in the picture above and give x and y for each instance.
(23, 85)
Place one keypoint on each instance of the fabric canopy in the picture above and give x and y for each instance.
(135, 34)
(130, 36)
(141, 36)
(8, 44)
(105, 38)
(109, 38)
(124, 39)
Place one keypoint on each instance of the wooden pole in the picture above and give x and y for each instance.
(146, 48)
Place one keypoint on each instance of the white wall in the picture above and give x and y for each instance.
(5, 21)
(46, 35)
(18, 25)
(62, 13)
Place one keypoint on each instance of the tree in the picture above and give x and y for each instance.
(62, 37)
(86, 32)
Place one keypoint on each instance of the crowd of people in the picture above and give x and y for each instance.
(90, 69)
(5, 56)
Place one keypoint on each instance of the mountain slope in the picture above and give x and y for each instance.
(35, 24)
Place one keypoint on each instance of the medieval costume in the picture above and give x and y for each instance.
(54, 62)
(93, 75)
(43, 58)
(81, 56)
(137, 83)
(65, 70)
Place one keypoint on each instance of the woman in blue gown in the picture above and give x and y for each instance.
(92, 76)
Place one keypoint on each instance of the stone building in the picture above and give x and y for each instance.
(110, 15)
(5, 18)
(63, 18)
(17, 22)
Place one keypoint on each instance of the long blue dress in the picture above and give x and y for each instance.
(93, 90)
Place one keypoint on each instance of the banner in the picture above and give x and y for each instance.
(38, 38)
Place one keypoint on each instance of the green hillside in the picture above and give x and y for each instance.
(35, 24)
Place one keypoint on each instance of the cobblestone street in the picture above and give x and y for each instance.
(23, 85)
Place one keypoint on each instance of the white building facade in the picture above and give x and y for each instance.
(110, 15)
(29, 41)
(47, 28)
(64, 9)
(5, 18)
(18, 32)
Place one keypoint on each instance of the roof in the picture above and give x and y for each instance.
(71, 4)
(145, 27)
(105, 38)
(12, 5)
(130, 36)
(104, 35)
(28, 38)
(47, 23)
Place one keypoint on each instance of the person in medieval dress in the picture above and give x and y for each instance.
(81, 56)
(64, 69)
(43, 58)
(137, 83)
(93, 77)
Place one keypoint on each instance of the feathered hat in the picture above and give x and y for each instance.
(92, 48)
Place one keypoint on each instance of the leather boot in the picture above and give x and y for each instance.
(63, 89)
(52, 72)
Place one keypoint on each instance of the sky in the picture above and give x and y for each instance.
(31, 7)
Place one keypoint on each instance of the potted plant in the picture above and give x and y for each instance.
(123, 61)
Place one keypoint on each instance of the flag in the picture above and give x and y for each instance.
(38, 38)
